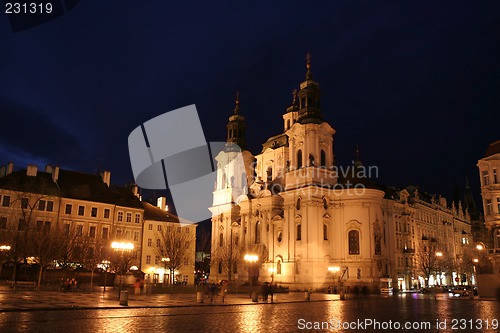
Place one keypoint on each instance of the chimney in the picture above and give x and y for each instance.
(106, 177)
(135, 190)
(55, 174)
(31, 170)
(162, 203)
(48, 168)
(2, 171)
(10, 168)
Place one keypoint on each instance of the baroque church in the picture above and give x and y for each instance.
(289, 216)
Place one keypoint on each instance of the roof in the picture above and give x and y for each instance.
(20, 182)
(123, 196)
(82, 186)
(494, 148)
(276, 141)
(157, 214)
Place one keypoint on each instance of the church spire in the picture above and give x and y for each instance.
(309, 98)
(236, 126)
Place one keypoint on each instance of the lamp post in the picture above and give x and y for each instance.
(122, 246)
(251, 259)
(477, 261)
(271, 271)
(165, 262)
(105, 264)
(3, 248)
(438, 259)
(333, 271)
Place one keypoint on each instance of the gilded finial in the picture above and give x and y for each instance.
(308, 66)
(237, 102)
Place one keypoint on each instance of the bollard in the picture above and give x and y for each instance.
(255, 296)
(307, 296)
(124, 297)
(200, 295)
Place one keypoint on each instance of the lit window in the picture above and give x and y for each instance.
(353, 236)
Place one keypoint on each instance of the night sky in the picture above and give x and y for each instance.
(415, 84)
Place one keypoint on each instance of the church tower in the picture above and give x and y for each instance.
(310, 138)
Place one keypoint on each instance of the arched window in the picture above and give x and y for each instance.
(269, 173)
(236, 240)
(288, 124)
(257, 232)
(278, 267)
(299, 231)
(325, 232)
(299, 159)
(224, 181)
(353, 242)
(220, 267)
(323, 158)
(221, 240)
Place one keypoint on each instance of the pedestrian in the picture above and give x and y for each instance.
(213, 290)
(137, 287)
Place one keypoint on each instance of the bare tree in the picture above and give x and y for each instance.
(93, 252)
(227, 256)
(175, 247)
(426, 260)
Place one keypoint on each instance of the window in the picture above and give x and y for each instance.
(81, 210)
(269, 173)
(127, 234)
(186, 262)
(66, 228)
(498, 205)
(41, 204)
(485, 177)
(299, 232)
(325, 232)
(50, 206)
(92, 231)
(24, 203)
(105, 233)
(150, 226)
(6, 201)
(150, 242)
(280, 237)
(179, 229)
(157, 260)
(93, 212)
(158, 242)
(137, 218)
(79, 230)
(278, 267)
(129, 217)
(39, 226)
(106, 213)
(3, 222)
(220, 267)
(136, 236)
(323, 158)
(299, 159)
(148, 259)
(257, 232)
(187, 230)
(46, 226)
(489, 207)
(236, 240)
(158, 228)
(221, 240)
(68, 209)
(120, 216)
(495, 179)
(353, 242)
(118, 233)
(21, 225)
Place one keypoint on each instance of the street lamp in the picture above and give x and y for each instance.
(165, 262)
(122, 246)
(438, 256)
(333, 271)
(251, 259)
(272, 270)
(3, 248)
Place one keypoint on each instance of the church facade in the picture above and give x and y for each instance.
(308, 224)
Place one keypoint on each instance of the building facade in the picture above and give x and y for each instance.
(308, 223)
(168, 254)
(489, 172)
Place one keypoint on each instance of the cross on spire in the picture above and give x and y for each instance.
(308, 66)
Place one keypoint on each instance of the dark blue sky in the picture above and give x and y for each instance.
(416, 84)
